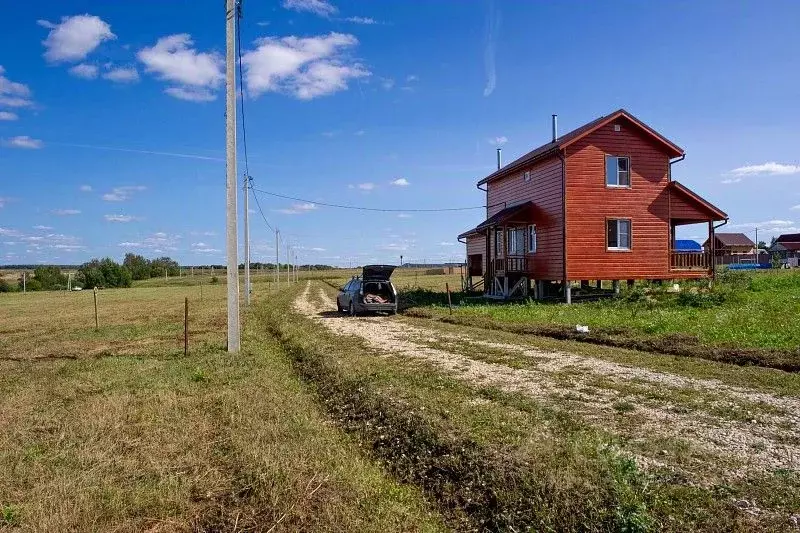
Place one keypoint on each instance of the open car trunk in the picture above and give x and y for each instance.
(378, 292)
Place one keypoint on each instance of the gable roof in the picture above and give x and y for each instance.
(552, 148)
(788, 237)
(686, 192)
(734, 239)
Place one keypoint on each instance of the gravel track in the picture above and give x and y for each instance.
(768, 441)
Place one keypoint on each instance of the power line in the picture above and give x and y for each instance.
(378, 209)
(255, 196)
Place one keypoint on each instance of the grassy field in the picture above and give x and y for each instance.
(752, 311)
(133, 436)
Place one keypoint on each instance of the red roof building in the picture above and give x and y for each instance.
(597, 203)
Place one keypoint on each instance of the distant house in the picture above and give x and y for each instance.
(731, 244)
(598, 203)
(687, 245)
(787, 246)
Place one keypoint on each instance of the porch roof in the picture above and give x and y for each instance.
(705, 209)
(517, 214)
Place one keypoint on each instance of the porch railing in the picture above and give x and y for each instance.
(689, 261)
(513, 263)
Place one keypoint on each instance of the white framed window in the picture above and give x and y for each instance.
(526, 175)
(516, 241)
(498, 242)
(618, 171)
(532, 239)
(618, 234)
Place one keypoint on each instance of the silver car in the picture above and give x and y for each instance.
(370, 292)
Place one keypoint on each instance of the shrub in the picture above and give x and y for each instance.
(6, 286)
(735, 279)
(105, 273)
(214, 279)
(702, 299)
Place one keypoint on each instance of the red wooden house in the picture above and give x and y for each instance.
(598, 203)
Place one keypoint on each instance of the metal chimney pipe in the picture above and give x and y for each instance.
(499, 158)
(555, 128)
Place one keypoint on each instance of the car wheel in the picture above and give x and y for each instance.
(338, 306)
(351, 310)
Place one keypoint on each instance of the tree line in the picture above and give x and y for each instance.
(101, 273)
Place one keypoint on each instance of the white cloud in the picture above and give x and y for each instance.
(387, 83)
(795, 207)
(359, 133)
(403, 215)
(203, 248)
(304, 68)
(191, 94)
(7, 115)
(362, 20)
(490, 50)
(446, 244)
(3, 201)
(330, 134)
(323, 8)
(13, 94)
(66, 212)
(23, 141)
(43, 227)
(85, 71)
(122, 75)
(766, 169)
(498, 141)
(368, 186)
(86, 188)
(400, 182)
(75, 37)
(298, 209)
(120, 218)
(157, 242)
(120, 194)
(411, 78)
(9, 232)
(130, 244)
(174, 60)
(263, 23)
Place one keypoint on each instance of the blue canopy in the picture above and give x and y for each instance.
(687, 245)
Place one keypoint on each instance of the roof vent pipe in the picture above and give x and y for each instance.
(555, 128)
(499, 158)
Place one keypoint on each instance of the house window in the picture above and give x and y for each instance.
(498, 242)
(618, 171)
(527, 175)
(532, 239)
(516, 241)
(618, 233)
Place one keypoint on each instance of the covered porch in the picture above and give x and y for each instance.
(686, 208)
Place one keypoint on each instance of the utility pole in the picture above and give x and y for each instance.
(288, 260)
(230, 170)
(24, 282)
(246, 242)
(277, 259)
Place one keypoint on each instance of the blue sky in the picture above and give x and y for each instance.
(112, 116)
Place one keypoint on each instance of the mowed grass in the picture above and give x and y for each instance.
(132, 321)
(157, 441)
(763, 314)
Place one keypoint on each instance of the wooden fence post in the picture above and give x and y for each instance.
(186, 325)
(96, 316)
(449, 301)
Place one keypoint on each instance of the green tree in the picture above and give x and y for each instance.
(50, 278)
(5, 286)
(762, 245)
(138, 266)
(158, 266)
(104, 273)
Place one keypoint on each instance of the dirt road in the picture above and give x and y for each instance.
(743, 431)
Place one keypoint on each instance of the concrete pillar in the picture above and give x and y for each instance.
(615, 284)
(599, 284)
(567, 292)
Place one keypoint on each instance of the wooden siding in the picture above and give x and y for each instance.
(476, 245)
(590, 203)
(681, 209)
(544, 190)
